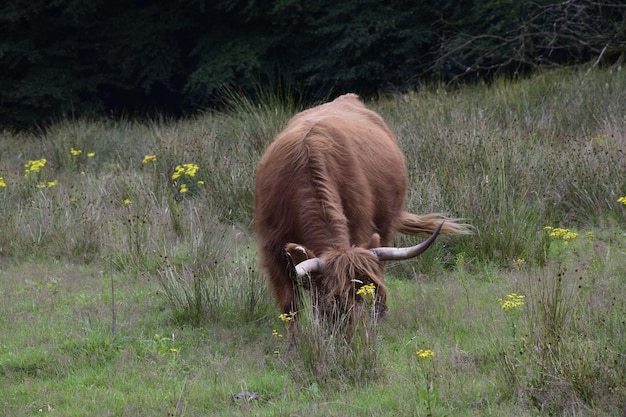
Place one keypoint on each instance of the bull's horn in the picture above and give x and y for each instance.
(391, 254)
(309, 266)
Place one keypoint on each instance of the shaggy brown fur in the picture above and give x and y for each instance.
(333, 185)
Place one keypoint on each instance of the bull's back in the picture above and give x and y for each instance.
(340, 145)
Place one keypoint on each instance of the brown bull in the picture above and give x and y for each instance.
(329, 199)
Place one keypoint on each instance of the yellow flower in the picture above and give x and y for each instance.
(425, 353)
(52, 183)
(91, 154)
(560, 233)
(189, 170)
(512, 301)
(366, 290)
(2, 183)
(519, 262)
(41, 185)
(622, 200)
(601, 138)
(276, 334)
(75, 152)
(178, 171)
(148, 158)
(35, 165)
(127, 201)
(287, 317)
(183, 188)
(200, 182)
(367, 293)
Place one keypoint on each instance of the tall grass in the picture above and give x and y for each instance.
(227, 289)
(516, 156)
(512, 158)
(333, 346)
(564, 355)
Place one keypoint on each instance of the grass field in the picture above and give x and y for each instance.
(129, 282)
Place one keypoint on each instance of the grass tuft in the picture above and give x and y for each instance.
(331, 347)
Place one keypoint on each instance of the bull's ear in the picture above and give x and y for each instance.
(297, 253)
(374, 241)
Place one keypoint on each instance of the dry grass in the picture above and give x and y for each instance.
(115, 284)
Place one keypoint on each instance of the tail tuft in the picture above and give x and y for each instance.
(414, 224)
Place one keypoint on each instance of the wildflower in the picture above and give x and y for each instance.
(52, 183)
(200, 182)
(178, 171)
(34, 165)
(622, 200)
(425, 353)
(183, 188)
(127, 201)
(601, 138)
(559, 233)
(2, 183)
(75, 152)
(174, 350)
(512, 301)
(91, 154)
(189, 170)
(366, 291)
(518, 262)
(276, 334)
(148, 158)
(41, 185)
(287, 317)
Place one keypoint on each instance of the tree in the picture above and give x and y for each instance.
(508, 36)
(174, 56)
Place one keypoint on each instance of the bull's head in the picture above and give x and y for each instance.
(337, 273)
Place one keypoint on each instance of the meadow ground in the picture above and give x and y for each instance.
(129, 281)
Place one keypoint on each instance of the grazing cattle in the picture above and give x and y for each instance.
(329, 199)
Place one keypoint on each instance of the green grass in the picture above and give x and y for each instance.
(120, 295)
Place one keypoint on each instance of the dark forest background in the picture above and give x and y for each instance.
(78, 57)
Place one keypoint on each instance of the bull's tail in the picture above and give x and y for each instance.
(414, 224)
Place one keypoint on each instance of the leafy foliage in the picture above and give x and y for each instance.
(512, 36)
(72, 56)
